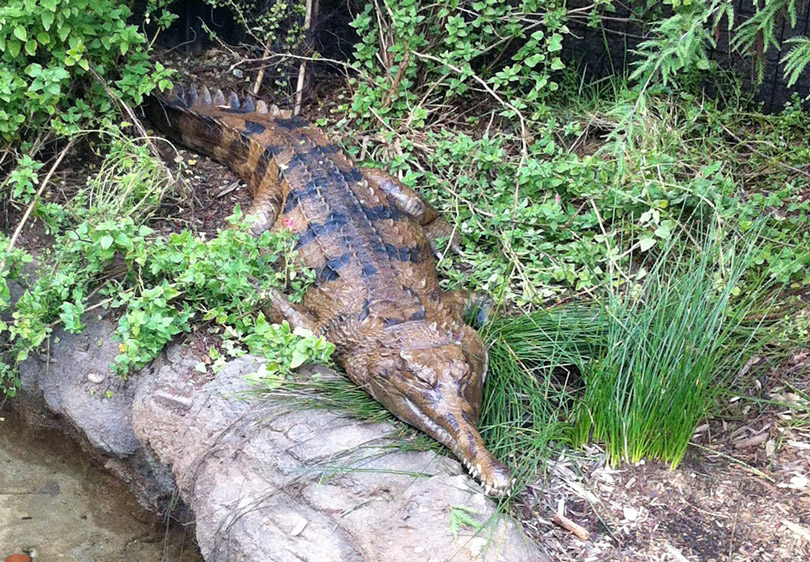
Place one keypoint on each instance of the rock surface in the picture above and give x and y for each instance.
(265, 483)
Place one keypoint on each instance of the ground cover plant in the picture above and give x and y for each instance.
(623, 227)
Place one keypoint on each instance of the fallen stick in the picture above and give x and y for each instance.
(563, 521)
(753, 441)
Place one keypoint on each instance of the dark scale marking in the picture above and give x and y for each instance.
(391, 322)
(466, 416)
(413, 254)
(369, 270)
(264, 161)
(380, 212)
(238, 149)
(418, 315)
(327, 181)
(254, 128)
(329, 149)
(352, 176)
(329, 270)
(411, 292)
(291, 123)
(295, 195)
(364, 312)
(451, 421)
(297, 160)
(210, 129)
(335, 220)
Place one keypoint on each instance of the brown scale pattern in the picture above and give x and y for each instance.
(369, 239)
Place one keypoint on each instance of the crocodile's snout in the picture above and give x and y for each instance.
(438, 390)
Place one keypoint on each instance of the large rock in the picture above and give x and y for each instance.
(266, 482)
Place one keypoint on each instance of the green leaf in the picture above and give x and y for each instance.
(47, 20)
(106, 241)
(646, 243)
(298, 359)
(13, 47)
(20, 33)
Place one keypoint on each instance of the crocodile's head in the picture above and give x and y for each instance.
(436, 389)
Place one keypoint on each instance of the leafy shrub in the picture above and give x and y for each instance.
(49, 53)
(415, 54)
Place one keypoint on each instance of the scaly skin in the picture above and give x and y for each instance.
(376, 296)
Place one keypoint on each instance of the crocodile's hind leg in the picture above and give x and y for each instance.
(280, 309)
(472, 306)
(266, 206)
(411, 202)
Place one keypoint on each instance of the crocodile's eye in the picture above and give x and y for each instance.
(425, 375)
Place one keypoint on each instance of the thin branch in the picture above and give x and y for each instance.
(302, 70)
(33, 202)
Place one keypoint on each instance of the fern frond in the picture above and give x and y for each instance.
(797, 59)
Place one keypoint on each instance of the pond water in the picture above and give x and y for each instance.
(54, 501)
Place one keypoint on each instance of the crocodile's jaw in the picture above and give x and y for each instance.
(436, 390)
(465, 442)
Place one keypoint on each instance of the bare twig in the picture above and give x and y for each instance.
(33, 202)
(302, 70)
(580, 532)
(260, 76)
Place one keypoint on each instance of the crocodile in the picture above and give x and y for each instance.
(371, 241)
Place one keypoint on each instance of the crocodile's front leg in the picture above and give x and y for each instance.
(467, 305)
(280, 309)
(411, 202)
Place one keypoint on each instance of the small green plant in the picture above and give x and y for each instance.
(681, 42)
(130, 183)
(797, 59)
(461, 516)
(673, 342)
(21, 183)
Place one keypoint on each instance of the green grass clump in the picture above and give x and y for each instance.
(672, 345)
(530, 386)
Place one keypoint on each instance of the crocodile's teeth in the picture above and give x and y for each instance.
(248, 105)
(205, 96)
(261, 107)
(219, 99)
(234, 100)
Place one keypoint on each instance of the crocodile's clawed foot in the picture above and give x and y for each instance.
(439, 228)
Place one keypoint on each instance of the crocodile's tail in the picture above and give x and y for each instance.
(240, 133)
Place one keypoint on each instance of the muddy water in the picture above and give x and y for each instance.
(55, 502)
